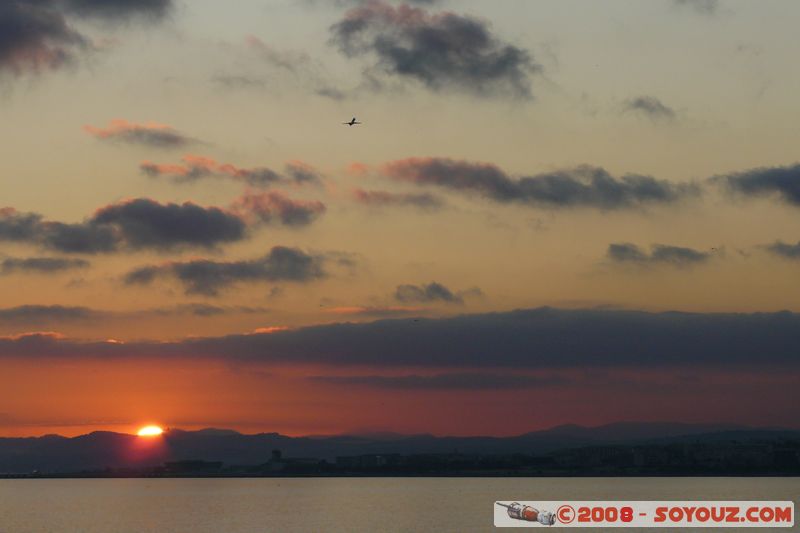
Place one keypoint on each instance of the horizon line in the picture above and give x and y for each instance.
(723, 427)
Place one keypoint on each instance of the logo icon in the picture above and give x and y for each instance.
(517, 511)
(565, 514)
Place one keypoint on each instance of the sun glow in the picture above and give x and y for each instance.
(150, 431)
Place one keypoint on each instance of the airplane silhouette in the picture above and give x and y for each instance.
(352, 122)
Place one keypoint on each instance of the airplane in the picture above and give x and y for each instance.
(352, 122)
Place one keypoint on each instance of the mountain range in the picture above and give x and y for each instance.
(100, 450)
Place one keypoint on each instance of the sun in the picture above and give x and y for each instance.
(150, 431)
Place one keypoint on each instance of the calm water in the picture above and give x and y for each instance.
(314, 505)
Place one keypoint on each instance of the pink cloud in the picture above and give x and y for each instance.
(198, 166)
(151, 134)
(269, 205)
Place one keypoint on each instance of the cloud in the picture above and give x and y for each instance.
(431, 293)
(357, 169)
(206, 310)
(31, 228)
(142, 223)
(331, 92)
(351, 3)
(584, 186)
(534, 339)
(40, 265)
(196, 167)
(375, 311)
(207, 278)
(440, 50)
(195, 309)
(37, 35)
(239, 81)
(422, 201)
(454, 381)
(706, 7)
(296, 66)
(787, 251)
(300, 172)
(660, 255)
(145, 223)
(269, 206)
(45, 314)
(152, 134)
(117, 9)
(651, 107)
(286, 59)
(783, 182)
(135, 224)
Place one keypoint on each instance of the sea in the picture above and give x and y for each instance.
(221, 505)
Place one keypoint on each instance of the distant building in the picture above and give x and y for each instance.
(277, 463)
(368, 461)
(192, 467)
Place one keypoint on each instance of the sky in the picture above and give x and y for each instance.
(552, 212)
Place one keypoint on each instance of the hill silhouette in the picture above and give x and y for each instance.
(100, 450)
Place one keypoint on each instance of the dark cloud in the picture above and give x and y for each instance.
(16, 226)
(706, 7)
(34, 316)
(386, 199)
(206, 310)
(44, 314)
(351, 3)
(659, 255)
(37, 35)
(206, 277)
(145, 275)
(41, 265)
(537, 339)
(300, 172)
(375, 311)
(196, 167)
(201, 310)
(783, 182)
(145, 223)
(440, 50)
(151, 134)
(454, 381)
(677, 255)
(117, 9)
(31, 228)
(137, 223)
(584, 186)
(331, 92)
(788, 251)
(650, 106)
(626, 252)
(198, 310)
(87, 238)
(433, 292)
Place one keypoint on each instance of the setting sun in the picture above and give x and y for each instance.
(150, 431)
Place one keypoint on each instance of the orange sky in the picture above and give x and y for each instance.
(74, 398)
(176, 177)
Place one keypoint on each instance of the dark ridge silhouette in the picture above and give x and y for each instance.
(101, 450)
